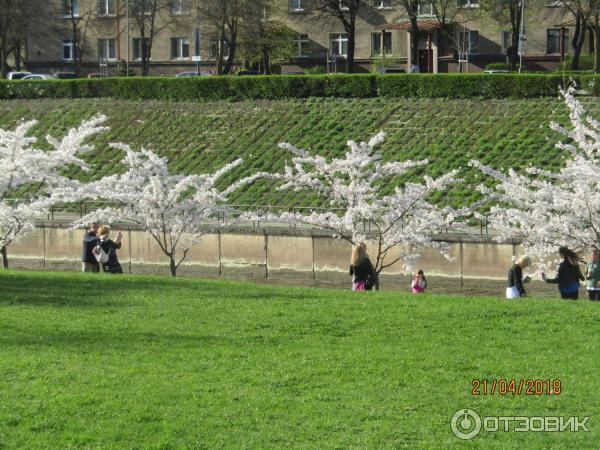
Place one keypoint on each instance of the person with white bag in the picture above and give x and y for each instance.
(106, 251)
(514, 285)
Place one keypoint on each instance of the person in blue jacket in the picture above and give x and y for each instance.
(569, 274)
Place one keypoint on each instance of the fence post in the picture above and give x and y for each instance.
(461, 263)
(130, 256)
(312, 241)
(266, 254)
(220, 262)
(44, 245)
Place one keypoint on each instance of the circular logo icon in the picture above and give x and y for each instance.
(465, 424)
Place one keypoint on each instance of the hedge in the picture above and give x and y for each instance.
(301, 86)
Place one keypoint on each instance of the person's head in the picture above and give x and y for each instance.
(94, 227)
(568, 255)
(595, 255)
(359, 253)
(420, 273)
(523, 262)
(104, 231)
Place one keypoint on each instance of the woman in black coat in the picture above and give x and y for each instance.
(361, 268)
(110, 247)
(569, 274)
(514, 284)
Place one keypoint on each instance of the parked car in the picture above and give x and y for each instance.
(496, 71)
(66, 75)
(391, 70)
(242, 73)
(17, 75)
(37, 76)
(96, 75)
(192, 74)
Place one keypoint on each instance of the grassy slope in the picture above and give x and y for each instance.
(157, 363)
(198, 137)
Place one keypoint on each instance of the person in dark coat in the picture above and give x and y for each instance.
(361, 269)
(569, 274)
(514, 284)
(90, 241)
(110, 247)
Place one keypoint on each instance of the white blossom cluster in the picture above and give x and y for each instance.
(173, 209)
(548, 209)
(402, 223)
(30, 177)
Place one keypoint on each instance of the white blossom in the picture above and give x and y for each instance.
(173, 209)
(402, 223)
(30, 177)
(546, 209)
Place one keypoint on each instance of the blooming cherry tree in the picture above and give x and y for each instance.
(402, 223)
(30, 178)
(173, 209)
(547, 209)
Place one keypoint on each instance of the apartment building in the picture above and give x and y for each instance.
(184, 39)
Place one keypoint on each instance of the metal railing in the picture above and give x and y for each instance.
(74, 211)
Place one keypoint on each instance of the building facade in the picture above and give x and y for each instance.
(110, 38)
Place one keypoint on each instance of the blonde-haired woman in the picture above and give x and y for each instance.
(514, 285)
(110, 247)
(361, 269)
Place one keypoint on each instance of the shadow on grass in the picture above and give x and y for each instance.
(114, 340)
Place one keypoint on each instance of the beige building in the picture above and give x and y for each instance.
(184, 40)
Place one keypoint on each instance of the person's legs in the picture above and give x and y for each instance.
(594, 295)
(570, 295)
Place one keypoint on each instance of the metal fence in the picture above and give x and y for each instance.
(74, 211)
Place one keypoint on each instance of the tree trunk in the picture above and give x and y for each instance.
(414, 43)
(173, 266)
(578, 39)
(596, 29)
(231, 57)
(4, 257)
(351, 48)
(3, 58)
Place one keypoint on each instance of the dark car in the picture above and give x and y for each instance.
(242, 73)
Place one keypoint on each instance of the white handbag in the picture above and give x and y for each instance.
(101, 255)
(512, 292)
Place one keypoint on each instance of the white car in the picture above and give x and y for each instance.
(17, 75)
(37, 76)
(191, 74)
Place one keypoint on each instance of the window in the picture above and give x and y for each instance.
(338, 44)
(68, 50)
(106, 50)
(377, 43)
(505, 41)
(425, 9)
(302, 45)
(468, 42)
(106, 7)
(467, 3)
(180, 48)
(214, 49)
(382, 4)
(297, 5)
(177, 7)
(197, 42)
(70, 8)
(553, 43)
(142, 5)
(137, 47)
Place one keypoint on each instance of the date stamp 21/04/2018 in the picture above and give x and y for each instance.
(514, 386)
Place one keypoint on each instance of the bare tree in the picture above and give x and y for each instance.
(412, 11)
(14, 18)
(78, 15)
(586, 12)
(7, 10)
(446, 14)
(507, 13)
(146, 14)
(232, 21)
(346, 11)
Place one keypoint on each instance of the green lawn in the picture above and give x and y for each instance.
(199, 137)
(150, 362)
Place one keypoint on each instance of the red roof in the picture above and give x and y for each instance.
(425, 25)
